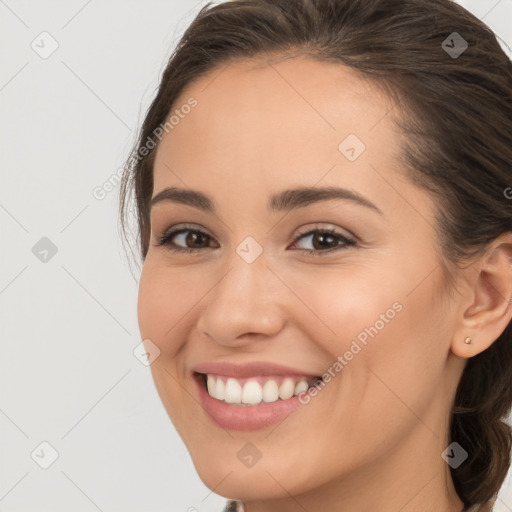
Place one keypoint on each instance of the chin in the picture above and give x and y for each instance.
(245, 484)
(271, 477)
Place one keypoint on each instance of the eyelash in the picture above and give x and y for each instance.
(347, 242)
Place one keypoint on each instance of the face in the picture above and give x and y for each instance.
(276, 289)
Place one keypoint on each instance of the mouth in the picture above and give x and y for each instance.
(252, 395)
(255, 391)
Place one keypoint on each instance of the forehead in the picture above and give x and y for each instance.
(266, 121)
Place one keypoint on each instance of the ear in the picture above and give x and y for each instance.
(486, 306)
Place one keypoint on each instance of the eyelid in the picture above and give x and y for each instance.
(320, 226)
(183, 227)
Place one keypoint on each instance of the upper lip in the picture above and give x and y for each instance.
(245, 370)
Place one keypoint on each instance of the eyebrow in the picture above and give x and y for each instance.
(283, 201)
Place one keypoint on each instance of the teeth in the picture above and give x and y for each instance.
(251, 392)
(270, 391)
(220, 390)
(210, 384)
(286, 389)
(233, 393)
(300, 387)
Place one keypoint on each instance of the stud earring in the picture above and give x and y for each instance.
(467, 340)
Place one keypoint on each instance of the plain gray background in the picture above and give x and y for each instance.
(68, 323)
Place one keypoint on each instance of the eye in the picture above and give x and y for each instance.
(185, 235)
(325, 240)
(189, 239)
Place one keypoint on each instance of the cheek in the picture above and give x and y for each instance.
(390, 340)
(162, 307)
(148, 306)
(344, 305)
(163, 303)
(382, 312)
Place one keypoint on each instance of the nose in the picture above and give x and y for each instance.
(245, 304)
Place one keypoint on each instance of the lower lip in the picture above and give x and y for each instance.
(254, 417)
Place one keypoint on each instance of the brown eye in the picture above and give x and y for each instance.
(192, 240)
(185, 240)
(325, 240)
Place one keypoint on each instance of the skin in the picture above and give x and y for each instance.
(372, 438)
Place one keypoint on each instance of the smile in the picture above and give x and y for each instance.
(251, 403)
(254, 391)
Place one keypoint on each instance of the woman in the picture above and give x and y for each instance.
(324, 210)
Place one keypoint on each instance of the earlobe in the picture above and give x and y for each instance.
(465, 347)
(490, 300)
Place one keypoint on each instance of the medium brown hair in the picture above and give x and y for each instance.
(456, 121)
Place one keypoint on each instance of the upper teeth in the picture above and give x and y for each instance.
(253, 391)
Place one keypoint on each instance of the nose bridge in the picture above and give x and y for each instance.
(239, 302)
(245, 273)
